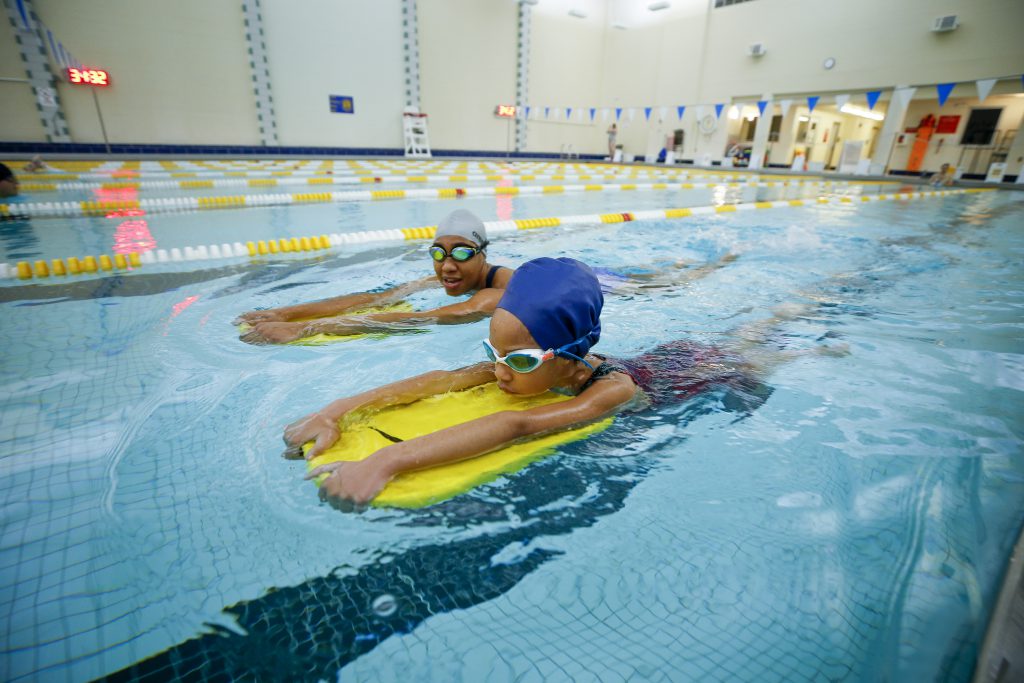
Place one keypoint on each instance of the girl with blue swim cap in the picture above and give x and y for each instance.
(540, 339)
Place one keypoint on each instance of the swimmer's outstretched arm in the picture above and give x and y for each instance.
(359, 482)
(672, 277)
(336, 305)
(477, 307)
(322, 426)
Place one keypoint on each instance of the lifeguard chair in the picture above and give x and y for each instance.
(414, 127)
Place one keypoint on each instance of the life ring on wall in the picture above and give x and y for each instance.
(708, 124)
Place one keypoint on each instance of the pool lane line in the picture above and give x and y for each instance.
(299, 245)
(191, 181)
(359, 180)
(596, 169)
(172, 204)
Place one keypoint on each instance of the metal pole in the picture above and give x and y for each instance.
(99, 113)
(508, 134)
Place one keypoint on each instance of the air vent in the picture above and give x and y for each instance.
(757, 50)
(946, 23)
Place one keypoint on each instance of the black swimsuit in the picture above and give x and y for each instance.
(489, 280)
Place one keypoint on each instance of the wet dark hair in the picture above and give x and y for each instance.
(5, 173)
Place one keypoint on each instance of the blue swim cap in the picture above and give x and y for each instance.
(559, 301)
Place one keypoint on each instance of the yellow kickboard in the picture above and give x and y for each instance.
(320, 339)
(360, 439)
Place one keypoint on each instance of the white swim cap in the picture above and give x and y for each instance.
(465, 224)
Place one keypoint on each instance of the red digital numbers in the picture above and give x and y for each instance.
(505, 110)
(95, 77)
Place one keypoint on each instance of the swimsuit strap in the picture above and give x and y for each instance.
(489, 280)
(606, 368)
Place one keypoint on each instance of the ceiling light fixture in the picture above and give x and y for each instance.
(578, 13)
(660, 5)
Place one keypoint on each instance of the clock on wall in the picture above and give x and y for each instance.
(829, 62)
(708, 124)
(84, 76)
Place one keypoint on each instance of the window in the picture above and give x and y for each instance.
(773, 132)
(981, 126)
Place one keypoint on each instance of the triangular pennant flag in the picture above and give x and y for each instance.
(618, 113)
(630, 113)
(647, 113)
(812, 102)
(662, 113)
(904, 95)
(873, 96)
(604, 113)
(700, 111)
(784, 105)
(527, 112)
(841, 101)
(761, 104)
(568, 113)
(547, 111)
(718, 110)
(984, 87)
(679, 112)
(592, 112)
(944, 89)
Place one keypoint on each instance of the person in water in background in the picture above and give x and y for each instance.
(540, 340)
(34, 165)
(944, 177)
(461, 267)
(8, 182)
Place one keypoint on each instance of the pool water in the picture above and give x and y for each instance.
(853, 525)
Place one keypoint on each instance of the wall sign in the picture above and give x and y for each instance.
(948, 124)
(342, 104)
(505, 111)
(84, 76)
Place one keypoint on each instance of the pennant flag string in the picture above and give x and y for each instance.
(984, 87)
(944, 89)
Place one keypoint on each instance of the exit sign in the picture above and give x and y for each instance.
(506, 111)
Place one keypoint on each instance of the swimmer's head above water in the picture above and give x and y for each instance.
(544, 326)
(458, 252)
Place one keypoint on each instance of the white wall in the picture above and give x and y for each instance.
(467, 67)
(179, 70)
(564, 71)
(318, 48)
(17, 103)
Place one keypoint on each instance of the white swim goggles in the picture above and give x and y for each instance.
(528, 360)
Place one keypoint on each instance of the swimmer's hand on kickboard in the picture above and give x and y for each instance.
(318, 428)
(351, 485)
(274, 333)
(253, 317)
